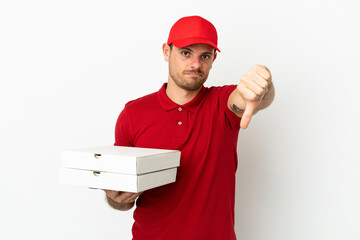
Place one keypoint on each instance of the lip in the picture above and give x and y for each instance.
(192, 74)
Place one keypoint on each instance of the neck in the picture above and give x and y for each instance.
(178, 95)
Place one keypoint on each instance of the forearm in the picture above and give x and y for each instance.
(119, 206)
(236, 103)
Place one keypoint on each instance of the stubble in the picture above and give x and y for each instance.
(186, 82)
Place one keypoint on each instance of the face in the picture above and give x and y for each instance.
(189, 66)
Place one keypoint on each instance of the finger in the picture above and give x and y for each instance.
(261, 81)
(246, 117)
(134, 197)
(125, 197)
(246, 93)
(128, 196)
(111, 193)
(117, 196)
(254, 83)
(264, 73)
(255, 87)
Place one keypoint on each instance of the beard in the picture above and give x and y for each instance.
(186, 82)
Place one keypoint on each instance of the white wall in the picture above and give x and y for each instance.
(68, 67)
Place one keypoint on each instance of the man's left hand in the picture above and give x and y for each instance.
(252, 87)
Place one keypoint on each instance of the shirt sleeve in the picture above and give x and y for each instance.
(232, 119)
(123, 130)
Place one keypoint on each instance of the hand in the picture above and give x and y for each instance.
(252, 87)
(122, 197)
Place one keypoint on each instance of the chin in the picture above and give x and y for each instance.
(192, 87)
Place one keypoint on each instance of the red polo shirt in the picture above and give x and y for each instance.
(200, 204)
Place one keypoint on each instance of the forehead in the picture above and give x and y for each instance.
(201, 47)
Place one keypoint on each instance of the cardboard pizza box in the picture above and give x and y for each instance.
(119, 168)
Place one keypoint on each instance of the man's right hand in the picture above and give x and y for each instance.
(121, 200)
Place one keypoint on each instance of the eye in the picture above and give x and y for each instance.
(205, 56)
(185, 53)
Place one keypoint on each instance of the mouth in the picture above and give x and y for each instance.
(193, 74)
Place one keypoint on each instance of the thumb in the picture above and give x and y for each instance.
(248, 112)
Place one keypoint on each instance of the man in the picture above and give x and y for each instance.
(203, 123)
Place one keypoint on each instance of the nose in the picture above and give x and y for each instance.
(195, 63)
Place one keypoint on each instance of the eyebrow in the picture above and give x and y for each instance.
(190, 50)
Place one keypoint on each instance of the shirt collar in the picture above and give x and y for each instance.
(167, 104)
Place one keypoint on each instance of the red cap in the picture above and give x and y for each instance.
(192, 30)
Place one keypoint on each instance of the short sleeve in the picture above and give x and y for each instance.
(123, 130)
(232, 119)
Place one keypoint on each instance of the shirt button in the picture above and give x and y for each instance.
(180, 108)
(179, 123)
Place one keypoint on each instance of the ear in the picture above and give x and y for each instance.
(215, 54)
(166, 51)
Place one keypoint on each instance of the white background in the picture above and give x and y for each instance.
(68, 67)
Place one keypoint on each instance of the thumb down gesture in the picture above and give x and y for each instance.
(254, 92)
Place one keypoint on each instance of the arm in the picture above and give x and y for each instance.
(122, 201)
(254, 92)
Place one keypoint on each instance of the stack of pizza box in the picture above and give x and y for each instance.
(128, 169)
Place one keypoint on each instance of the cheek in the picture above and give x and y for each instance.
(174, 67)
(208, 66)
(179, 65)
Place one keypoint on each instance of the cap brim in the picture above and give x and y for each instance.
(187, 42)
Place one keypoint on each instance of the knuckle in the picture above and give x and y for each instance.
(267, 76)
(241, 86)
(259, 92)
(251, 96)
(111, 194)
(259, 67)
(263, 85)
(244, 78)
(255, 97)
(267, 73)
